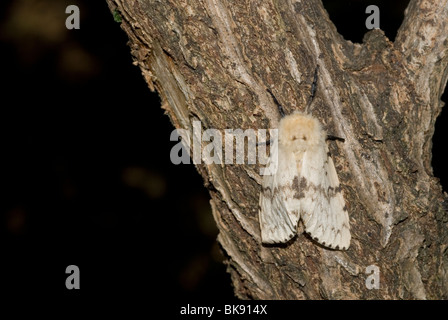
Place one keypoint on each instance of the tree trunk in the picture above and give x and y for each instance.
(213, 60)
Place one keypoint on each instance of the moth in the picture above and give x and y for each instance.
(305, 186)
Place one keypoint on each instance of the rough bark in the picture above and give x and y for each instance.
(212, 61)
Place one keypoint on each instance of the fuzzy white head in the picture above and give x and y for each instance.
(299, 131)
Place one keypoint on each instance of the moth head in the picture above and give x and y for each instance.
(299, 129)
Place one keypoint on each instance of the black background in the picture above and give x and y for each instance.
(85, 171)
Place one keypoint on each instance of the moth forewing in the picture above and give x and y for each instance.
(278, 219)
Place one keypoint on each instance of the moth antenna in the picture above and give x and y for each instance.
(313, 89)
(334, 138)
(279, 106)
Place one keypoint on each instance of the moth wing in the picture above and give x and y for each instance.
(279, 210)
(324, 213)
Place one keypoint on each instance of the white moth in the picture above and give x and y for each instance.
(304, 186)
